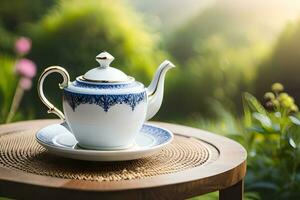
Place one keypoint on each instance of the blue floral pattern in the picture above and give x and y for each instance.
(105, 101)
(105, 86)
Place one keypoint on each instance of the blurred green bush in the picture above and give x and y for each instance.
(72, 33)
(14, 15)
(217, 53)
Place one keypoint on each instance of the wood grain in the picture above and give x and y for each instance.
(228, 170)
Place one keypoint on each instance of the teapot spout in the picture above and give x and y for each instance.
(155, 90)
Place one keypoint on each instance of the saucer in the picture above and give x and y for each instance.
(58, 140)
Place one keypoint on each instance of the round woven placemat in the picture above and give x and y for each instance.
(20, 151)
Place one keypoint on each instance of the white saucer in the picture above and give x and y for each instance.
(57, 139)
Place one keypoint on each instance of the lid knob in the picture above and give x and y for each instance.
(104, 59)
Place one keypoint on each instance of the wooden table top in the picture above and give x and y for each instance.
(226, 170)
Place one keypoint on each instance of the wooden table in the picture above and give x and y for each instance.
(225, 175)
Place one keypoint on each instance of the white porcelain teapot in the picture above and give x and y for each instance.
(105, 108)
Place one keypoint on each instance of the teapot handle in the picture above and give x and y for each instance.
(66, 80)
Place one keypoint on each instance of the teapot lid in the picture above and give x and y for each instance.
(105, 73)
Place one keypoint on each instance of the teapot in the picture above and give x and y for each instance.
(105, 108)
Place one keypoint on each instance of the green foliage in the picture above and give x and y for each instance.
(217, 60)
(14, 13)
(8, 81)
(2, 198)
(274, 145)
(219, 72)
(161, 13)
(6, 41)
(225, 123)
(271, 135)
(72, 33)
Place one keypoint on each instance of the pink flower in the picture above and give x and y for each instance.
(23, 45)
(26, 68)
(25, 83)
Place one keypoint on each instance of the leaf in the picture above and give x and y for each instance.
(247, 112)
(293, 134)
(263, 119)
(254, 104)
(295, 120)
(256, 128)
(292, 142)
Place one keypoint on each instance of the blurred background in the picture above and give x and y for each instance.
(222, 49)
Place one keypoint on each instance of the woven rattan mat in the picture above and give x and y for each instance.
(20, 151)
